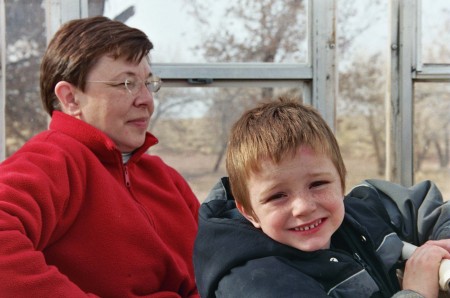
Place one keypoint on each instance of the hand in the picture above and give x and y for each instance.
(422, 268)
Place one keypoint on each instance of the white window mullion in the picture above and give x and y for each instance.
(323, 58)
(60, 11)
(2, 81)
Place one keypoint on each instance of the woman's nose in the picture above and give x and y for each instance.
(145, 97)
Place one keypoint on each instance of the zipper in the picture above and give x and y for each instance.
(363, 253)
(126, 176)
(375, 270)
(359, 260)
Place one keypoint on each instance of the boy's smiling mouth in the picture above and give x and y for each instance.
(308, 226)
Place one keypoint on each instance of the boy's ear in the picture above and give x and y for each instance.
(248, 216)
(66, 96)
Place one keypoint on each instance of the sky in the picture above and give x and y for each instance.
(174, 31)
(166, 23)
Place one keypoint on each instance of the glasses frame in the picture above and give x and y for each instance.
(152, 83)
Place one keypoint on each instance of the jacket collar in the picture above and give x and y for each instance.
(96, 140)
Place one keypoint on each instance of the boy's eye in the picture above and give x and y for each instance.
(318, 183)
(275, 197)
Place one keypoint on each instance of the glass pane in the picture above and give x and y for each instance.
(220, 31)
(435, 31)
(192, 126)
(25, 44)
(363, 36)
(432, 134)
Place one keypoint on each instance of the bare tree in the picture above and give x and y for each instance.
(431, 112)
(249, 31)
(275, 31)
(169, 101)
(354, 19)
(362, 89)
(258, 31)
(432, 125)
(25, 44)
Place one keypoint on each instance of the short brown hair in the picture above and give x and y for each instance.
(273, 130)
(78, 45)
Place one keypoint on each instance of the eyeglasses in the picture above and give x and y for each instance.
(133, 86)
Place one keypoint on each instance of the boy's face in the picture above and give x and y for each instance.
(298, 202)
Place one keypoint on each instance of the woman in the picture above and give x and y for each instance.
(84, 211)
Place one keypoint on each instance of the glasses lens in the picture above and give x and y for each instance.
(132, 86)
(154, 84)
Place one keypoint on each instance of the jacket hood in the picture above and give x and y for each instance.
(226, 239)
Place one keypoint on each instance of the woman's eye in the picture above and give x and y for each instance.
(119, 84)
(130, 83)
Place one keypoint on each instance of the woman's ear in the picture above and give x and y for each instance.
(66, 96)
(248, 216)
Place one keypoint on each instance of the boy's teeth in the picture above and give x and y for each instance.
(306, 228)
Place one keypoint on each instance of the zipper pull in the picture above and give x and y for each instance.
(126, 176)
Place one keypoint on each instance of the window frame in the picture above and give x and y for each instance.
(318, 77)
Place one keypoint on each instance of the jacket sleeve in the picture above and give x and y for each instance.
(29, 212)
(407, 294)
(417, 213)
(254, 277)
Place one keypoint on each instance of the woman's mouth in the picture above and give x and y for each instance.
(140, 122)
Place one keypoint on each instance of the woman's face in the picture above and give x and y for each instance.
(299, 201)
(107, 104)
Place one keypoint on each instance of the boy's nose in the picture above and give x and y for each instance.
(303, 205)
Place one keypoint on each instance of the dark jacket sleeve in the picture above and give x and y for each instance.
(417, 213)
(252, 280)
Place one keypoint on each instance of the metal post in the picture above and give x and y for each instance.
(323, 59)
(399, 144)
(2, 81)
(58, 12)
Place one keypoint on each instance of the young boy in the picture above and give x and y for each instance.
(280, 225)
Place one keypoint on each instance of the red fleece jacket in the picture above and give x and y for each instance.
(76, 222)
